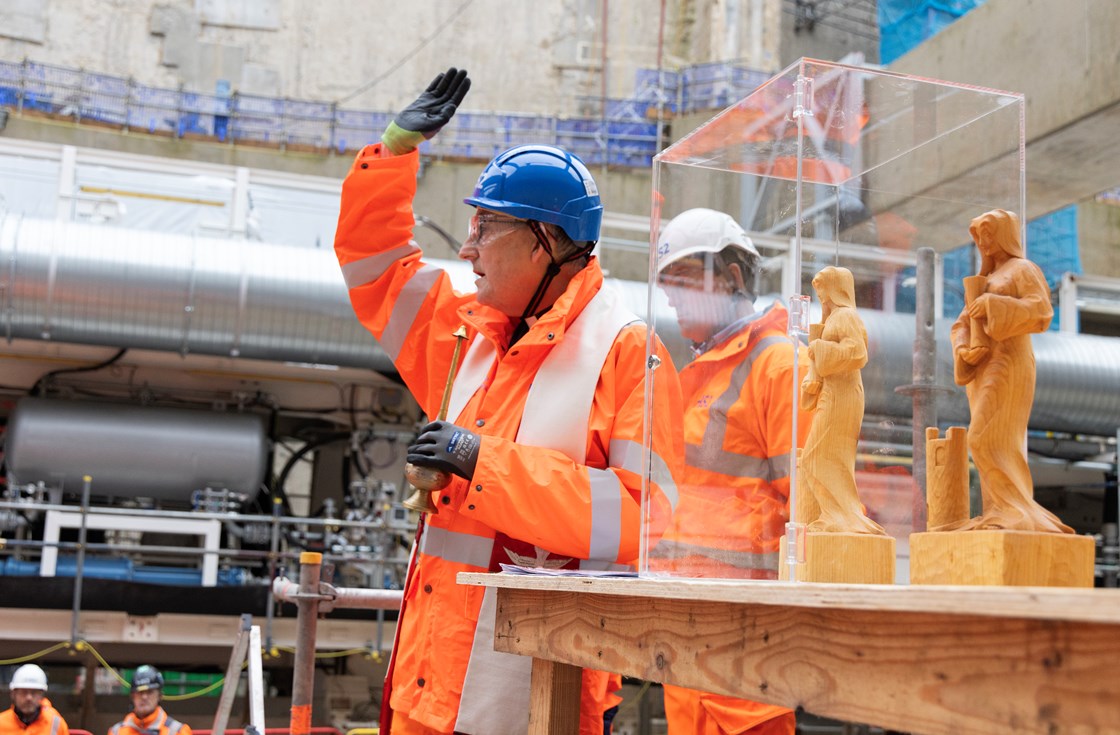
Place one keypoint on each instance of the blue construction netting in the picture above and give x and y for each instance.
(718, 85)
(903, 24)
(1052, 240)
(1052, 243)
(616, 132)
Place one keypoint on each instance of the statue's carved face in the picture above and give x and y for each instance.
(981, 232)
(995, 232)
(835, 286)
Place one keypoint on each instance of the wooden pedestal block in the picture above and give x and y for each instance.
(997, 557)
(853, 558)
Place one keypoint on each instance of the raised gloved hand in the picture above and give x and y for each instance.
(430, 112)
(444, 446)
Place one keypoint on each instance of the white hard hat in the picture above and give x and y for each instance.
(697, 231)
(29, 676)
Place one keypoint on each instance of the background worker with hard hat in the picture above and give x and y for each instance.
(738, 393)
(147, 716)
(31, 712)
(545, 439)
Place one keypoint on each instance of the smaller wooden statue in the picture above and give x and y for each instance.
(842, 543)
(834, 387)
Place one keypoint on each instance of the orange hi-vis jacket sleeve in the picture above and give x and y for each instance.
(523, 501)
(738, 424)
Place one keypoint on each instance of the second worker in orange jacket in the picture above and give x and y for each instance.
(738, 428)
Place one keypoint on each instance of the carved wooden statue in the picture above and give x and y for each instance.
(993, 358)
(834, 387)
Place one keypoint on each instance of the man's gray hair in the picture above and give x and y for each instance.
(565, 247)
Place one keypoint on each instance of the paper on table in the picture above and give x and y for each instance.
(515, 569)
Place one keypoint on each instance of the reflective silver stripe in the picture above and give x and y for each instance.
(115, 728)
(667, 549)
(405, 308)
(659, 473)
(370, 268)
(173, 726)
(726, 463)
(779, 467)
(459, 548)
(54, 724)
(606, 514)
(627, 455)
(710, 454)
(738, 465)
(495, 699)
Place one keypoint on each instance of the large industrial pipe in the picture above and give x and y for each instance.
(91, 284)
(1075, 382)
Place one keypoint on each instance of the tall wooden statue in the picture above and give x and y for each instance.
(1014, 540)
(842, 543)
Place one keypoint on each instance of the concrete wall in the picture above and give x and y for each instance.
(329, 49)
(830, 32)
(1063, 57)
(546, 56)
(744, 31)
(1098, 227)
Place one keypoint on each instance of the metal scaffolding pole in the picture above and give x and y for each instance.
(924, 389)
(307, 621)
(313, 597)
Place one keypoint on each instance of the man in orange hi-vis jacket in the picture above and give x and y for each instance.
(31, 712)
(738, 424)
(544, 438)
(148, 716)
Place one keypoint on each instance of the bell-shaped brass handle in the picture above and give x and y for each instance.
(425, 479)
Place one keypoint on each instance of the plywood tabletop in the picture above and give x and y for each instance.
(1042, 603)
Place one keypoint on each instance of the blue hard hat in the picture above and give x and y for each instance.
(542, 183)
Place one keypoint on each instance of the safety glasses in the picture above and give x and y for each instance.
(487, 228)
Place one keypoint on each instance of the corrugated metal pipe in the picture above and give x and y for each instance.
(91, 284)
(1077, 383)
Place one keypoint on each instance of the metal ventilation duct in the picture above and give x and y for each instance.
(90, 284)
(1077, 384)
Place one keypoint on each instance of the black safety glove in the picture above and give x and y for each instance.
(430, 112)
(444, 446)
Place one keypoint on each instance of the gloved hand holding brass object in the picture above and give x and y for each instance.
(428, 476)
(444, 446)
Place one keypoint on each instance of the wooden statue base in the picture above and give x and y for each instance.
(998, 557)
(853, 558)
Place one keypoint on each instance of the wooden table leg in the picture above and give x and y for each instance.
(554, 701)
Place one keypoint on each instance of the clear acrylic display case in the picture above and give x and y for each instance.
(823, 165)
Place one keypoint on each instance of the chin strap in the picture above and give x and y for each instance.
(551, 272)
